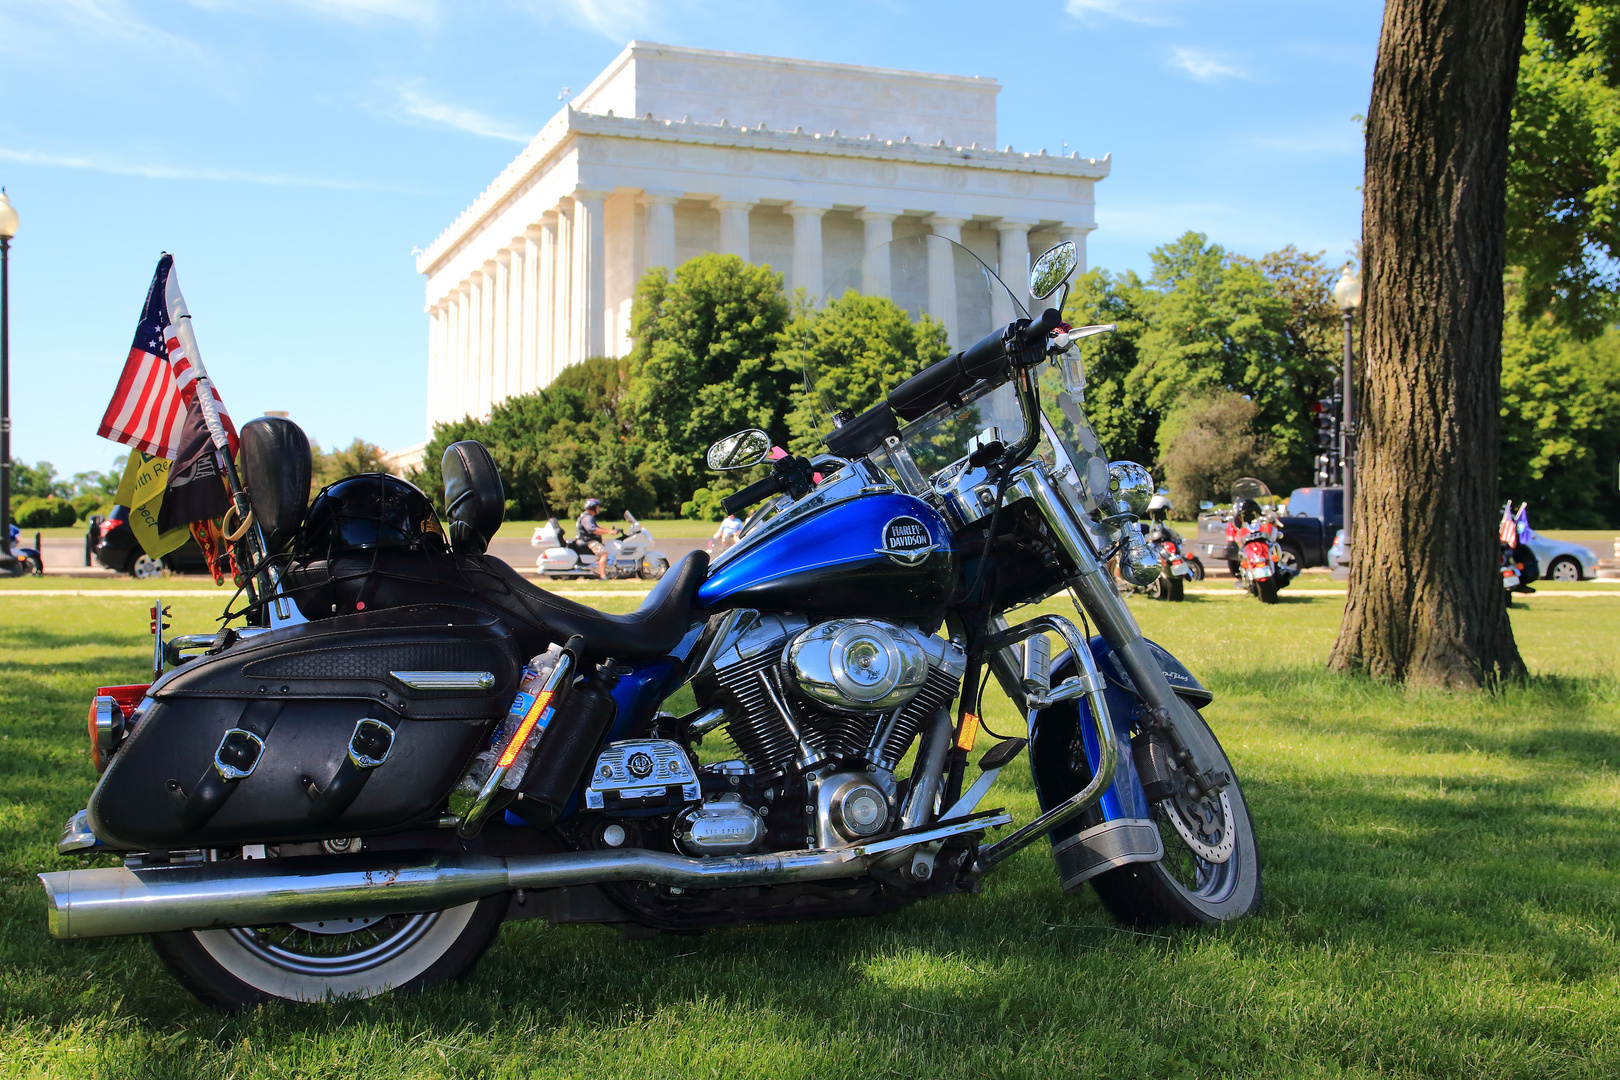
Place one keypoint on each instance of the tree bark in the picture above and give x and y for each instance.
(1426, 604)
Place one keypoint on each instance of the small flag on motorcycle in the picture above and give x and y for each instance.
(157, 409)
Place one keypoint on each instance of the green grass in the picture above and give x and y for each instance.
(1440, 901)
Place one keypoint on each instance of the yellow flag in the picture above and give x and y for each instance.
(141, 489)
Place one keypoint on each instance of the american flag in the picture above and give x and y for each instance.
(159, 381)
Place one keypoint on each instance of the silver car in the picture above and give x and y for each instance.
(1561, 560)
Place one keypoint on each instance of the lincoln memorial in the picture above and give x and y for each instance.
(673, 152)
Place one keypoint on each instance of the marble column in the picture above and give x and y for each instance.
(562, 306)
(807, 247)
(517, 314)
(545, 303)
(530, 377)
(500, 336)
(435, 362)
(1077, 233)
(478, 295)
(486, 340)
(463, 369)
(590, 278)
(734, 227)
(942, 275)
(875, 265)
(1012, 255)
(660, 243)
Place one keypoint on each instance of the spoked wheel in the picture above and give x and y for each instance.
(145, 567)
(1564, 568)
(1210, 872)
(314, 961)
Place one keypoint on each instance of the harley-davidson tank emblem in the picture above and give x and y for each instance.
(906, 541)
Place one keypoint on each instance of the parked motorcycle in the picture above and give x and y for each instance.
(1178, 568)
(630, 553)
(29, 559)
(409, 743)
(1256, 533)
(1520, 566)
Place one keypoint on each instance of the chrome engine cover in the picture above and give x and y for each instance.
(723, 825)
(858, 664)
(642, 774)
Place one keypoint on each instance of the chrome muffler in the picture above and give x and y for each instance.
(258, 892)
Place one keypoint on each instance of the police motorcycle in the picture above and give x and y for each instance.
(630, 553)
(409, 743)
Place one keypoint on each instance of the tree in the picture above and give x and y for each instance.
(1560, 421)
(1210, 440)
(1128, 428)
(1563, 195)
(358, 457)
(1425, 603)
(851, 353)
(704, 362)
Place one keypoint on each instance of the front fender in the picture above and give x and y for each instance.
(1063, 753)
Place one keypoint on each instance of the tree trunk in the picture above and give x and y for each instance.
(1426, 603)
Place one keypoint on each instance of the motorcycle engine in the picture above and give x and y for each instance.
(846, 690)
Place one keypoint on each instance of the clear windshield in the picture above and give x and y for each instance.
(910, 303)
(892, 312)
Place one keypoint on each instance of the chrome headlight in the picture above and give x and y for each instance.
(1130, 488)
(1139, 564)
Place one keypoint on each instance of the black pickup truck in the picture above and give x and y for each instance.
(1313, 515)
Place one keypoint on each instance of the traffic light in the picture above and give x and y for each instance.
(1325, 419)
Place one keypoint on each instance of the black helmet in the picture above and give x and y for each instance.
(373, 510)
(1248, 510)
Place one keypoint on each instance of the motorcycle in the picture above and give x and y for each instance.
(1520, 566)
(1178, 568)
(1256, 533)
(409, 743)
(630, 553)
(29, 560)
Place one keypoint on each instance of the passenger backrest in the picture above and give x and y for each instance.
(276, 471)
(474, 500)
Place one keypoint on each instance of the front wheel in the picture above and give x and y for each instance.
(356, 958)
(1563, 568)
(1189, 887)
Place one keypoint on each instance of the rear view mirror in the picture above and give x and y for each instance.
(1053, 269)
(1206, 505)
(739, 451)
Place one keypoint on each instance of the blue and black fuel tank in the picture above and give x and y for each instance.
(883, 555)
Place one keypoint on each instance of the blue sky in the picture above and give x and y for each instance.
(291, 153)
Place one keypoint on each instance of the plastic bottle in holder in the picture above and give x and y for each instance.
(535, 674)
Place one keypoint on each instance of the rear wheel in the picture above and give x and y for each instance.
(1268, 591)
(1210, 872)
(1563, 568)
(145, 567)
(1178, 589)
(360, 958)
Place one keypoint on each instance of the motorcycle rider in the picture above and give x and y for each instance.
(591, 535)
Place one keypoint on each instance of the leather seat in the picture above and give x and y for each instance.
(276, 466)
(370, 581)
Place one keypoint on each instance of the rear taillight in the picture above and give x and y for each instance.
(108, 526)
(108, 720)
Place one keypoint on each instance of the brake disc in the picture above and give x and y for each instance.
(1205, 823)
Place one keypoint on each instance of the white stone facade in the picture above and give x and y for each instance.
(673, 152)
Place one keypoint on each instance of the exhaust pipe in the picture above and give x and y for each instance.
(255, 892)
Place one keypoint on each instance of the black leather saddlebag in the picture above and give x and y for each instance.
(353, 725)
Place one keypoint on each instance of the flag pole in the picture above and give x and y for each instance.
(216, 431)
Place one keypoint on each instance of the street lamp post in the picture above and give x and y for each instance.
(1347, 294)
(8, 228)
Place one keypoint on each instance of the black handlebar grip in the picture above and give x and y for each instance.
(983, 358)
(930, 386)
(753, 493)
(1041, 328)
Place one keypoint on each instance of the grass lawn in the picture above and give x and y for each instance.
(1440, 884)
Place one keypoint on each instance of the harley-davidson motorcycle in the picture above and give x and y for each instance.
(401, 743)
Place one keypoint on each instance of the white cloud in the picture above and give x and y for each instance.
(417, 11)
(165, 172)
(617, 20)
(1150, 12)
(34, 28)
(412, 102)
(1204, 66)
